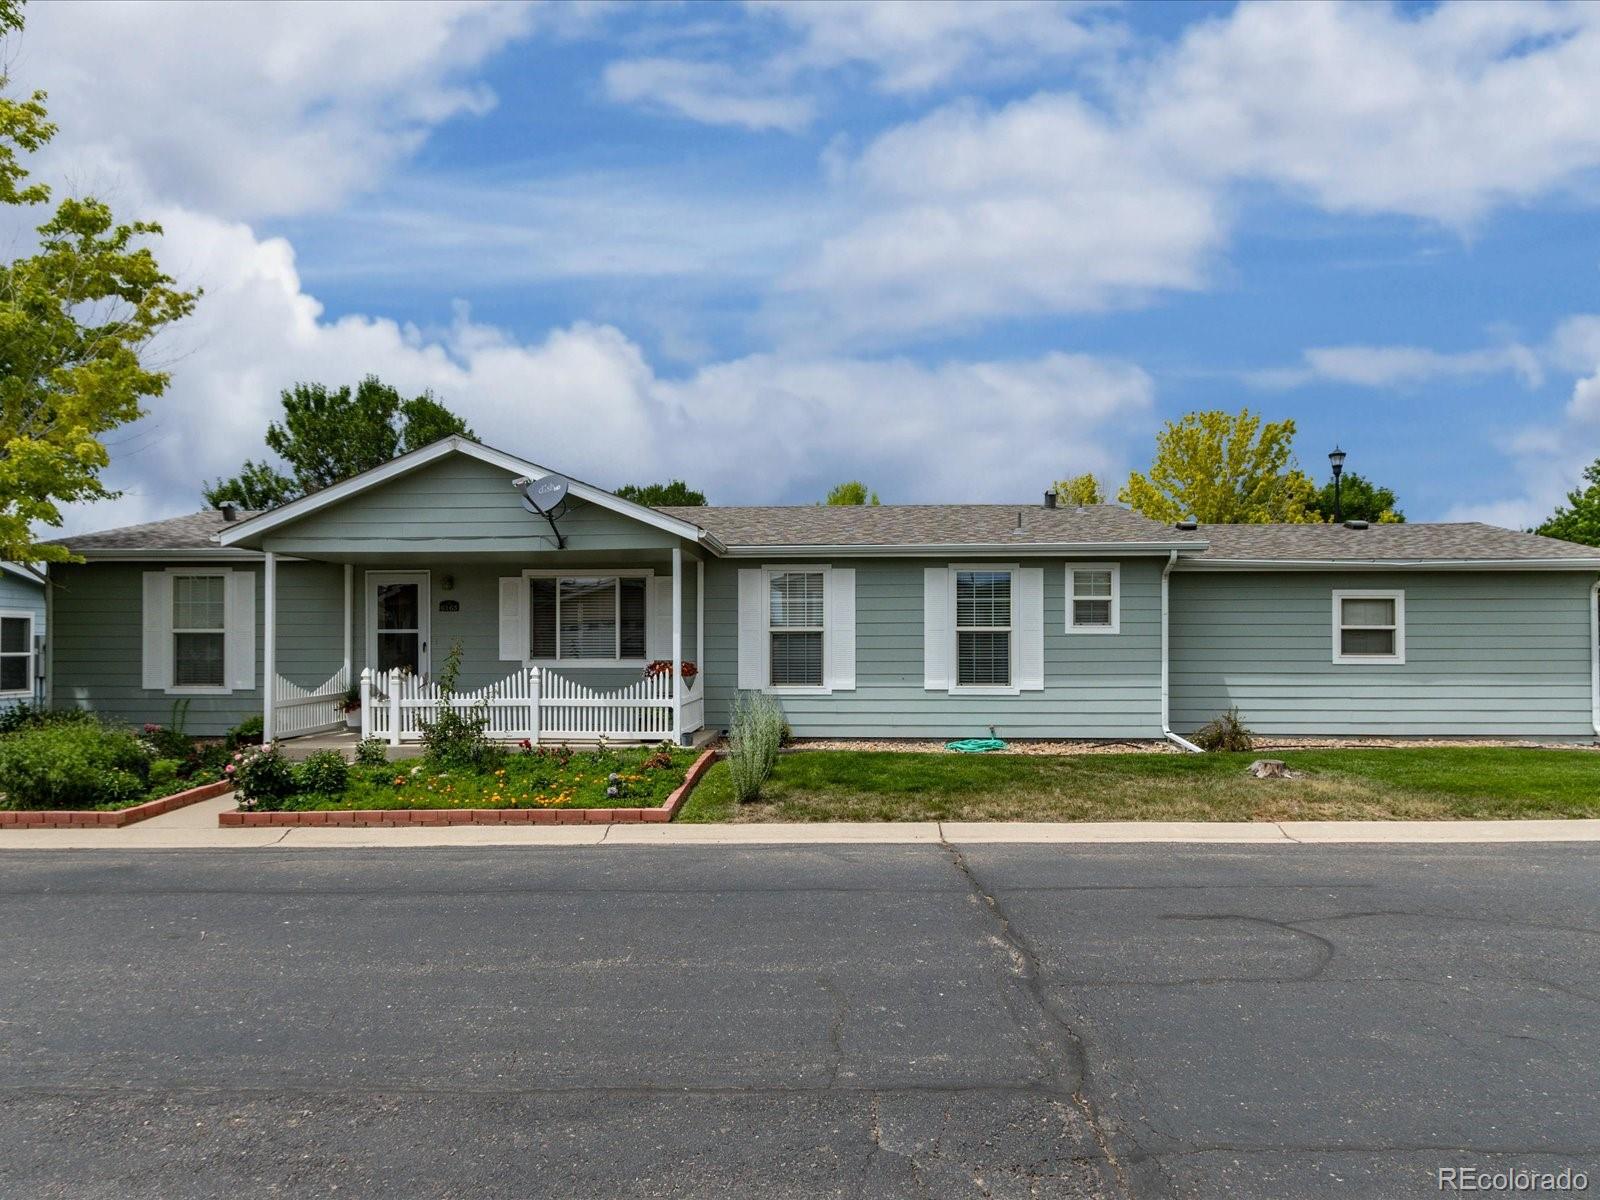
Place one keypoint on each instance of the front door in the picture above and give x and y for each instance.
(397, 621)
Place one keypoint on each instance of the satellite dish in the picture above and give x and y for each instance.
(544, 496)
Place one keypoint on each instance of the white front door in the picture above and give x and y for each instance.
(397, 621)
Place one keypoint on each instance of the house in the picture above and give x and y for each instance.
(901, 620)
(22, 627)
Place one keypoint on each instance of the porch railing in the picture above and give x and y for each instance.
(534, 703)
(297, 710)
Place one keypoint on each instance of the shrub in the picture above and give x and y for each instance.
(71, 764)
(263, 777)
(324, 772)
(372, 752)
(164, 773)
(1226, 732)
(247, 732)
(456, 737)
(754, 735)
(32, 716)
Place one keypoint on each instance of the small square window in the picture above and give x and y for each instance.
(1093, 598)
(1369, 627)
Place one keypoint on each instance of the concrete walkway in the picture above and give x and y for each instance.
(195, 828)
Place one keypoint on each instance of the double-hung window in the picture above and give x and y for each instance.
(795, 622)
(16, 654)
(1369, 627)
(594, 617)
(1094, 598)
(983, 628)
(199, 630)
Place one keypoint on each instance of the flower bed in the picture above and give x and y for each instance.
(67, 818)
(486, 798)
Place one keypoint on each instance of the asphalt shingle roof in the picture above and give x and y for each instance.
(925, 525)
(191, 532)
(1465, 541)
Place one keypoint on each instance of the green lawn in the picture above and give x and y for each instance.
(1384, 784)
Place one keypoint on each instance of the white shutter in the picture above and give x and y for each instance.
(157, 674)
(513, 618)
(239, 644)
(658, 617)
(754, 646)
(839, 611)
(1028, 669)
(937, 631)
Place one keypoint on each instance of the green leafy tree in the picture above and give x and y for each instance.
(76, 319)
(852, 492)
(328, 435)
(1359, 500)
(675, 493)
(1223, 468)
(1578, 520)
(1080, 489)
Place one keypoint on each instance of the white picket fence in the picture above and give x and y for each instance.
(297, 710)
(533, 703)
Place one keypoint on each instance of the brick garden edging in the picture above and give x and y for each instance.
(66, 818)
(399, 817)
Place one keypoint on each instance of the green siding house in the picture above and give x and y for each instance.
(925, 621)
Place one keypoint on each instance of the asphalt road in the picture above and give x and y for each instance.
(1029, 1021)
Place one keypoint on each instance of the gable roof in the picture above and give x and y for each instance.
(1466, 543)
(237, 534)
(908, 528)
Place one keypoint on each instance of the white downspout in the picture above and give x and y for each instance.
(1166, 670)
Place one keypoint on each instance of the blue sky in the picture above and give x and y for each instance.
(957, 250)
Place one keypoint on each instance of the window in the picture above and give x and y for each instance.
(795, 625)
(595, 617)
(199, 630)
(983, 628)
(1094, 598)
(1369, 627)
(16, 653)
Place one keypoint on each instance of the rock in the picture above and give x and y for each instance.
(1270, 768)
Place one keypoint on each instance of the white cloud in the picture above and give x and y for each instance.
(254, 109)
(709, 92)
(1400, 366)
(584, 398)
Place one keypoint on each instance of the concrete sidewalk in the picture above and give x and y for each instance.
(195, 828)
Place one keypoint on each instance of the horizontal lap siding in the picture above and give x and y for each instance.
(1487, 653)
(1096, 685)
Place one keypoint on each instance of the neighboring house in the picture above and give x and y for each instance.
(22, 612)
(900, 620)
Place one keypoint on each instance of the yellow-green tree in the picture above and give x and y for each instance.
(76, 316)
(1223, 468)
(851, 492)
(1080, 489)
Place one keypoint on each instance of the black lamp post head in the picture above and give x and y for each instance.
(1336, 457)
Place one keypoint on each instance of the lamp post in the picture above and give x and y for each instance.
(1336, 457)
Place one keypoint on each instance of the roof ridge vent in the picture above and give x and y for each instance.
(1188, 524)
(1354, 524)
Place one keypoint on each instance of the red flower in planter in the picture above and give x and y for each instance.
(662, 666)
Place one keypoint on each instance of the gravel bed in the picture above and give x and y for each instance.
(1029, 746)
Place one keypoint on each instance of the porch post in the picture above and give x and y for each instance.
(700, 622)
(269, 639)
(677, 644)
(349, 597)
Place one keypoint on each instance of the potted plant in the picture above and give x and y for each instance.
(351, 707)
(662, 666)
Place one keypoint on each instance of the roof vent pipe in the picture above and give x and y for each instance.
(229, 512)
(1355, 524)
(1050, 498)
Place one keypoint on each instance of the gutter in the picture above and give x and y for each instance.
(961, 549)
(1166, 727)
(1392, 564)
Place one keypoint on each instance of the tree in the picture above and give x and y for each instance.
(1578, 520)
(1080, 489)
(76, 318)
(326, 436)
(852, 492)
(1223, 468)
(1359, 500)
(674, 493)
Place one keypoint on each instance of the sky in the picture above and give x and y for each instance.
(956, 250)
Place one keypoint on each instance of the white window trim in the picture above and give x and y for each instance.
(958, 688)
(171, 631)
(1399, 597)
(1116, 597)
(22, 614)
(768, 570)
(575, 573)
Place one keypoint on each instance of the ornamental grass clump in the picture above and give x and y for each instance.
(754, 735)
(1226, 732)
